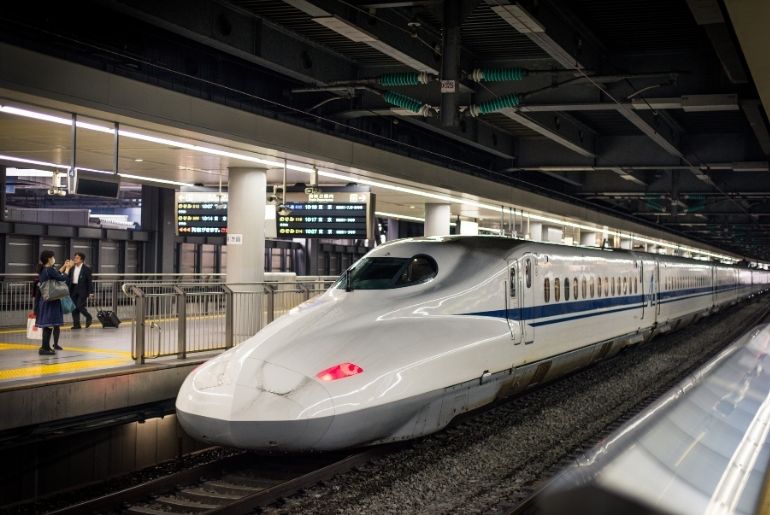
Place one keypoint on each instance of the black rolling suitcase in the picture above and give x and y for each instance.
(108, 318)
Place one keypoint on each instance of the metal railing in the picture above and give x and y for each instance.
(16, 293)
(180, 319)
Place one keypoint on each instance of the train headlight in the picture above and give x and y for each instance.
(339, 372)
(212, 375)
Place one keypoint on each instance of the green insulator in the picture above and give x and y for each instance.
(499, 104)
(503, 74)
(401, 79)
(403, 101)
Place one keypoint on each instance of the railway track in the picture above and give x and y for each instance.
(232, 485)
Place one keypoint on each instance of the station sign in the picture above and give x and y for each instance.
(335, 215)
(201, 213)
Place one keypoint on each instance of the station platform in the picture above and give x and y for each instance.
(94, 348)
(93, 374)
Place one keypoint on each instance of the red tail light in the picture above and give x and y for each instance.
(339, 372)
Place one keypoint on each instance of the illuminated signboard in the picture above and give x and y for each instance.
(324, 216)
(201, 213)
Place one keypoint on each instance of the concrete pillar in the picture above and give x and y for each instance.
(159, 219)
(2, 193)
(589, 239)
(554, 234)
(437, 219)
(245, 225)
(392, 229)
(536, 231)
(468, 228)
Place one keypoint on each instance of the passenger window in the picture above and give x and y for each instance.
(528, 272)
(583, 286)
(547, 290)
(566, 288)
(556, 290)
(512, 282)
(636, 285)
(599, 286)
(612, 288)
(625, 286)
(575, 288)
(593, 289)
(606, 287)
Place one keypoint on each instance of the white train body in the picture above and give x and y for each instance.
(461, 322)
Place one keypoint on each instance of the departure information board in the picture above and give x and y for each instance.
(324, 216)
(201, 213)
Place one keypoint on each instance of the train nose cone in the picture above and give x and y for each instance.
(268, 407)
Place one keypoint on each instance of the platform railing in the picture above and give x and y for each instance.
(181, 319)
(16, 293)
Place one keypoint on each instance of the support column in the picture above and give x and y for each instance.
(158, 218)
(450, 61)
(589, 239)
(392, 229)
(3, 182)
(536, 231)
(437, 219)
(246, 217)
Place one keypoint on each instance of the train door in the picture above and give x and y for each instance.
(641, 281)
(513, 294)
(521, 276)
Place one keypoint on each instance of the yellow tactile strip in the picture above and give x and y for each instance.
(51, 367)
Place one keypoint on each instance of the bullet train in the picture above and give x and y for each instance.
(421, 330)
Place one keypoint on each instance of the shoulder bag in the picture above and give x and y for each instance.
(54, 290)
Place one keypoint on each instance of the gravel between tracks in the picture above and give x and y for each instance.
(491, 461)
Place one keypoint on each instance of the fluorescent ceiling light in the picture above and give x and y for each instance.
(27, 172)
(399, 217)
(301, 168)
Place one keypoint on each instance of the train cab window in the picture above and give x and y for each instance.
(556, 290)
(528, 272)
(566, 288)
(512, 282)
(547, 290)
(381, 273)
(583, 288)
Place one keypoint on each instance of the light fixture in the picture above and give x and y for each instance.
(27, 172)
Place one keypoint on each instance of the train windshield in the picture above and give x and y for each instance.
(382, 273)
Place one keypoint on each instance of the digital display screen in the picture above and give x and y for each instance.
(201, 214)
(324, 220)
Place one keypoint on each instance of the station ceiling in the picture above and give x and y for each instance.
(654, 110)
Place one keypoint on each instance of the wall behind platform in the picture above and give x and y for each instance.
(36, 470)
(107, 250)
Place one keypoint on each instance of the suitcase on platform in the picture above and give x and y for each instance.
(108, 318)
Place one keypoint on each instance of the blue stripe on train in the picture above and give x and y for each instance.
(588, 308)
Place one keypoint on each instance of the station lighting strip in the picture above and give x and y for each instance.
(305, 169)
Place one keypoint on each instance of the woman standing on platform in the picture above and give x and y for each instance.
(49, 312)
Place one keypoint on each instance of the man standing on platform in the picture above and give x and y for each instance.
(81, 288)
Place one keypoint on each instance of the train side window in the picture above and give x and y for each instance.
(575, 288)
(606, 287)
(583, 287)
(612, 286)
(593, 287)
(636, 285)
(625, 286)
(566, 288)
(599, 286)
(556, 289)
(528, 272)
(512, 282)
(547, 289)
